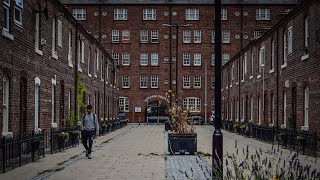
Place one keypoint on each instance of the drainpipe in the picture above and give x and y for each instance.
(76, 71)
(277, 78)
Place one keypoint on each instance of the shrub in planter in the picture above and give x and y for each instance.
(63, 137)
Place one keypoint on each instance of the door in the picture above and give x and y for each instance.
(23, 105)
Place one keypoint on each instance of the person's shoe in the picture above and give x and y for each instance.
(89, 156)
(86, 153)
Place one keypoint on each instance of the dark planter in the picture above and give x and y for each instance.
(182, 143)
(167, 126)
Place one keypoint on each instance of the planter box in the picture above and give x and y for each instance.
(182, 143)
(167, 126)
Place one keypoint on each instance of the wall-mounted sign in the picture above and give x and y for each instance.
(137, 109)
(156, 96)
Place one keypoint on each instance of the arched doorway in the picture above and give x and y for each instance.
(156, 111)
(23, 105)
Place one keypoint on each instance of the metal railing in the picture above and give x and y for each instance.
(55, 142)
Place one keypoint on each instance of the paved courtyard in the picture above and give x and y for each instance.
(139, 152)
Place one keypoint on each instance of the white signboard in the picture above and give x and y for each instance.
(137, 109)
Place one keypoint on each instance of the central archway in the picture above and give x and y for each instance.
(156, 111)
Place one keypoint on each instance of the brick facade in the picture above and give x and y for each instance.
(100, 23)
(25, 66)
(291, 79)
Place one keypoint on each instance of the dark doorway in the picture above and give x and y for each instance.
(156, 111)
(292, 120)
(62, 108)
(23, 105)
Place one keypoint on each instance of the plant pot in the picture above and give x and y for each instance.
(182, 143)
(167, 126)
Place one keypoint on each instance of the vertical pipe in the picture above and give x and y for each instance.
(205, 91)
(170, 56)
(177, 47)
(76, 73)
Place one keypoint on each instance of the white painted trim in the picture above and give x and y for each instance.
(37, 81)
(304, 57)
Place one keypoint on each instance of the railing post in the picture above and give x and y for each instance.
(315, 144)
(20, 148)
(32, 146)
(51, 141)
(4, 155)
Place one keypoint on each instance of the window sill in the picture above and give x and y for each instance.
(141, 65)
(143, 87)
(283, 65)
(226, 42)
(70, 64)
(155, 42)
(106, 82)
(242, 81)
(95, 76)
(18, 24)
(271, 71)
(7, 35)
(259, 76)
(154, 87)
(125, 65)
(186, 87)
(196, 87)
(186, 42)
(304, 128)
(89, 75)
(197, 65)
(186, 65)
(79, 69)
(155, 65)
(197, 42)
(102, 80)
(304, 57)
(55, 56)
(251, 77)
(38, 51)
(125, 87)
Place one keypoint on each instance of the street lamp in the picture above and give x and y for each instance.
(177, 26)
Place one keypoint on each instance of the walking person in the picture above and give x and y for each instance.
(90, 129)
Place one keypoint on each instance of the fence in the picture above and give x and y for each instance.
(21, 150)
(262, 133)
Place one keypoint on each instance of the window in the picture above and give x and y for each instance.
(186, 59)
(149, 14)
(37, 35)
(79, 55)
(213, 37)
(257, 34)
(186, 36)
(243, 69)
(143, 81)
(53, 99)
(225, 57)
(192, 104)
(18, 12)
(154, 36)
(213, 82)
(79, 14)
(115, 36)
(125, 36)
(306, 33)
(272, 109)
(290, 36)
(251, 109)
(6, 15)
(115, 57)
(59, 33)
(231, 110)
(261, 58)
(144, 36)
(197, 36)
(224, 14)
(213, 57)
(306, 107)
(54, 52)
(284, 109)
(5, 103)
(197, 59)
(263, 14)
(192, 14)
(70, 49)
(252, 59)
(126, 59)
(232, 73)
(102, 68)
(69, 99)
(225, 36)
(245, 63)
(186, 82)
(120, 14)
(285, 48)
(154, 59)
(97, 64)
(197, 82)
(144, 59)
(154, 81)
(82, 51)
(125, 81)
(89, 62)
(123, 104)
(272, 54)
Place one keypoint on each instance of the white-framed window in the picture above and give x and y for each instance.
(149, 14)
(82, 51)
(18, 8)
(263, 14)
(213, 33)
(125, 36)
(284, 109)
(102, 67)
(225, 36)
(5, 104)
(79, 55)
(53, 44)
(6, 15)
(224, 14)
(143, 81)
(59, 33)
(115, 57)
(306, 107)
(290, 40)
(69, 99)
(213, 58)
(213, 82)
(197, 59)
(272, 54)
(306, 32)
(79, 14)
(154, 81)
(115, 36)
(186, 59)
(96, 63)
(125, 81)
(257, 34)
(144, 36)
(120, 14)
(154, 59)
(193, 104)
(251, 109)
(37, 34)
(186, 82)
(262, 54)
(89, 62)
(36, 102)
(197, 36)
(143, 59)
(125, 59)
(123, 104)
(154, 36)
(192, 14)
(232, 73)
(186, 36)
(243, 69)
(285, 48)
(225, 57)
(197, 82)
(245, 63)
(272, 109)
(252, 61)
(70, 48)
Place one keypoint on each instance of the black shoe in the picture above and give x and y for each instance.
(86, 153)
(89, 156)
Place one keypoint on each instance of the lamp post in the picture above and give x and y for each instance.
(177, 26)
(217, 138)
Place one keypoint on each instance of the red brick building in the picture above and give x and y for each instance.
(136, 33)
(42, 49)
(275, 80)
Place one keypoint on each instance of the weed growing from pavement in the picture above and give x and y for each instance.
(50, 170)
(200, 153)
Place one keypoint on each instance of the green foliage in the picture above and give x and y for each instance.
(80, 93)
(63, 136)
(71, 121)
